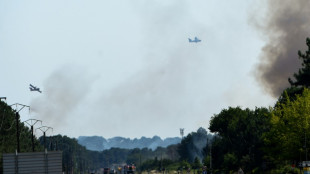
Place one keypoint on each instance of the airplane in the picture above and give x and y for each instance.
(33, 88)
(196, 40)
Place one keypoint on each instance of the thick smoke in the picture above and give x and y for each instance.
(285, 26)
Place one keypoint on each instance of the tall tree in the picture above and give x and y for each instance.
(193, 145)
(8, 139)
(302, 78)
(288, 138)
(240, 137)
(303, 75)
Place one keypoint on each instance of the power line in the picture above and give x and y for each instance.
(31, 124)
(45, 129)
(17, 122)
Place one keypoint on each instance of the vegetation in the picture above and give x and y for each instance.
(8, 138)
(191, 147)
(239, 142)
(287, 139)
(302, 78)
(303, 75)
(263, 140)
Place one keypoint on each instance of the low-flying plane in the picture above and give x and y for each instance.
(34, 88)
(196, 40)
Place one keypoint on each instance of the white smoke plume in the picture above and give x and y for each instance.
(63, 91)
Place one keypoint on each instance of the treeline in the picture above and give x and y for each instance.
(8, 133)
(266, 140)
(263, 140)
(78, 159)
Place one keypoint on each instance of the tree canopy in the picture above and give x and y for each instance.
(239, 140)
(287, 138)
(8, 138)
(303, 75)
(301, 78)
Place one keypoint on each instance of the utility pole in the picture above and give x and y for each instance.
(306, 146)
(210, 157)
(17, 116)
(140, 171)
(31, 124)
(161, 161)
(210, 146)
(44, 129)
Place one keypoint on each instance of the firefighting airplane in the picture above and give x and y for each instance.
(33, 88)
(196, 40)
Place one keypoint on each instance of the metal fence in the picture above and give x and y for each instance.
(35, 163)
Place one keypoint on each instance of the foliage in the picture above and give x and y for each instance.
(285, 169)
(193, 145)
(155, 164)
(239, 141)
(290, 126)
(183, 165)
(302, 78)
(230, 161)
(196, 164)
(291, 93)
(75, 157)
(8, 138)
(303, 75)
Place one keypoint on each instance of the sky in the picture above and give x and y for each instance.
(126, 68)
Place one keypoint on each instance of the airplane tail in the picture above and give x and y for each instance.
(190, 40)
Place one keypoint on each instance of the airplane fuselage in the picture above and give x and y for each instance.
(196, 40)
(33, 88)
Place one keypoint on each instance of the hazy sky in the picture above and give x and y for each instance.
(126, 68)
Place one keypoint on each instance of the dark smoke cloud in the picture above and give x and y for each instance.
(285, 26)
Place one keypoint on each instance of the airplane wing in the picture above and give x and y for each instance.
(33, 88)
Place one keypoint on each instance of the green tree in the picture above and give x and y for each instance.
(303, 75)
(196, 164)
(240, 136)
(193, 145)
(290, 128)
(302, 78)
(184, 165)
(8, 139)
(230, 161)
